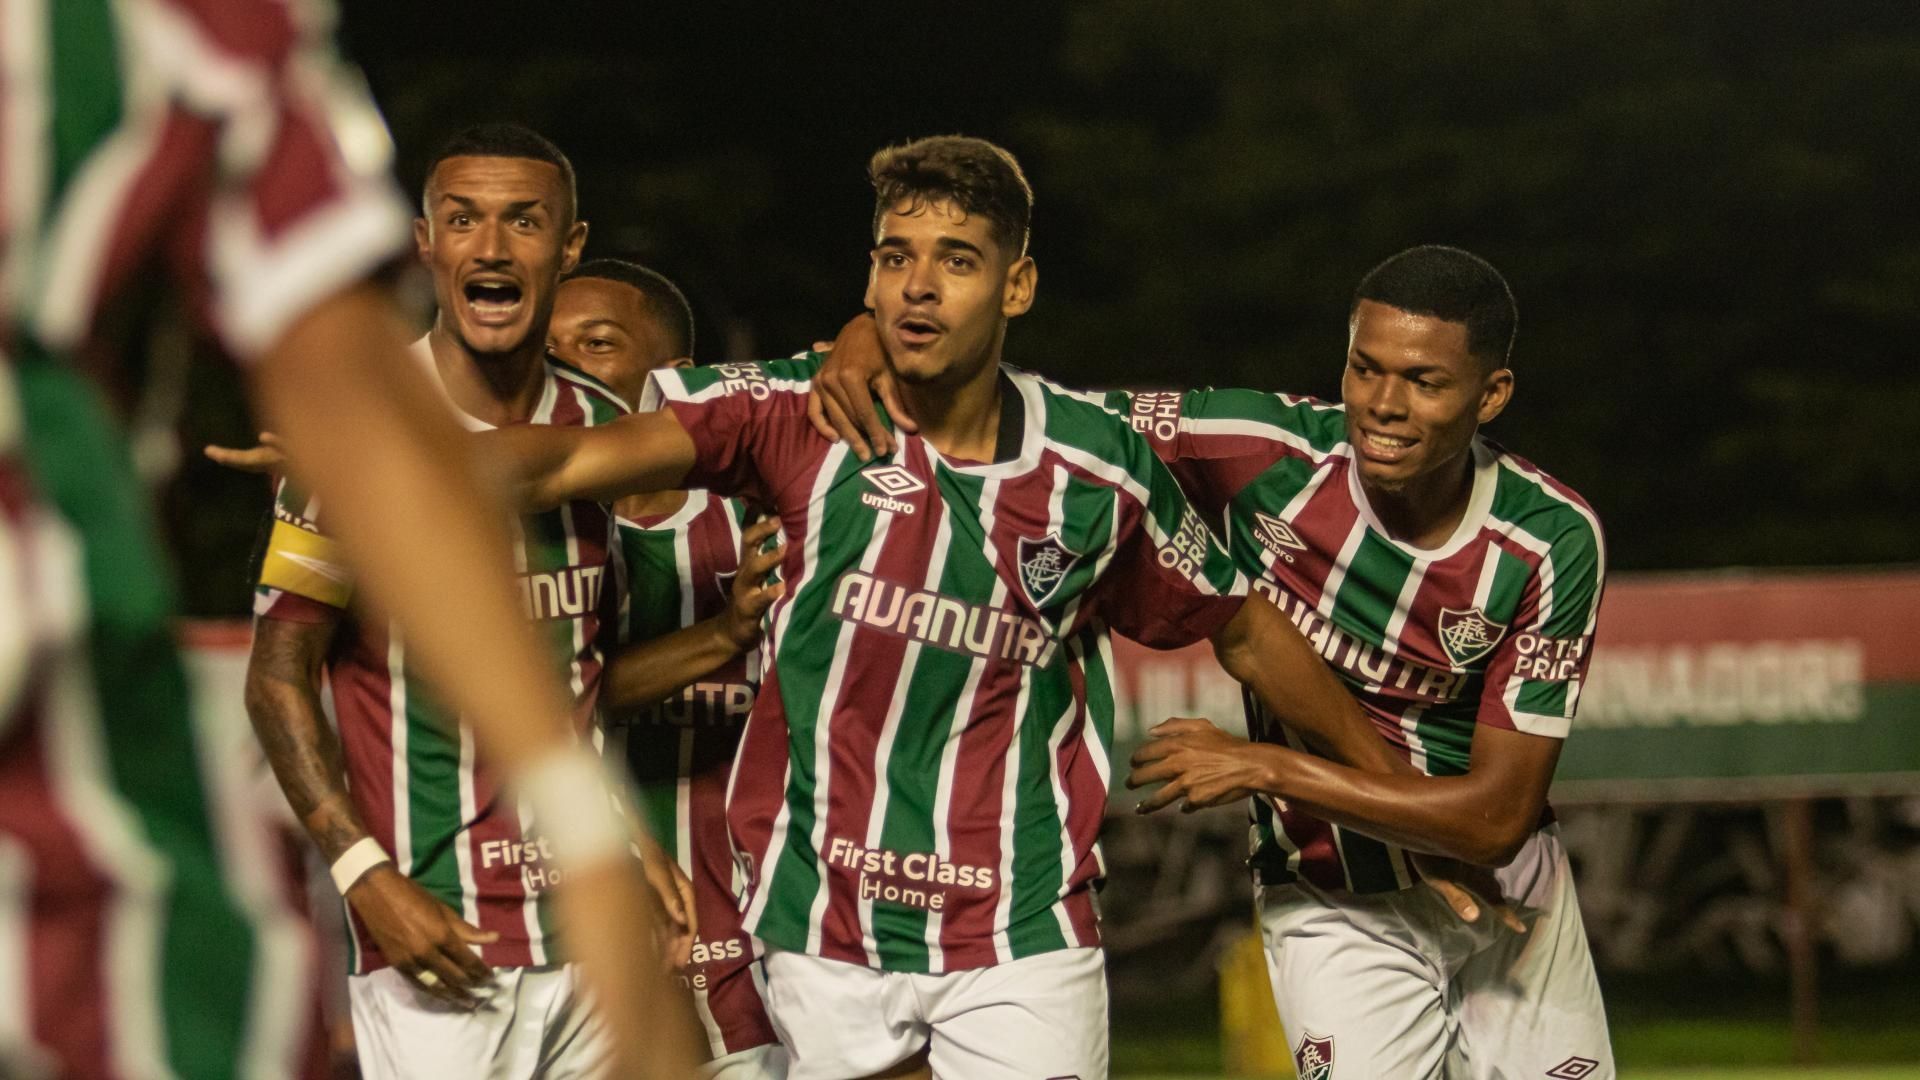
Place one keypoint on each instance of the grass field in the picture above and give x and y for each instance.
(1664, 1028)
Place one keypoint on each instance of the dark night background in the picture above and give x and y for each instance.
(1704, 208)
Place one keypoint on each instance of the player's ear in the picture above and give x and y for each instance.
(423, 239)
(1495, 393)
(1023, 278)
(873, 270)
(576, 242)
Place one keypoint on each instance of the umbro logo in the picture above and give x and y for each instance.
(1574, 1068)
(894, 484)
(1276, 536)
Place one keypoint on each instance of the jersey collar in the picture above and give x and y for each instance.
(1486, 474)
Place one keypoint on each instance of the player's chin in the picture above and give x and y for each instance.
(493, 338)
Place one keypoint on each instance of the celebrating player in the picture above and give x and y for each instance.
(141, 891)
(921, 782)
(452, 936)
(1454, 588)
(676, 700)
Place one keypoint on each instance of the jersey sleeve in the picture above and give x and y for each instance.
(1535, 674)
(1216, 441)
(1170, 583)
(252, 167)
(303, 575)
(748, 422)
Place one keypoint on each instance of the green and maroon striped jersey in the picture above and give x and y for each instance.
(1494, 626)
(416, 782)
(187, 157)
(680, 752)
(921, 783)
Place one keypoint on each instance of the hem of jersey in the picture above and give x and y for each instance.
(774, 942)
(1552, 727)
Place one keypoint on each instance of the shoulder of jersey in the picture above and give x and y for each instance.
(1083, 420)
(567, 373)
(1528, 497)
(1322, 424)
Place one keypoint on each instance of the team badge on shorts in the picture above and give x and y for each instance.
(1313, 1058)
(1468, 635)
(1044, 565)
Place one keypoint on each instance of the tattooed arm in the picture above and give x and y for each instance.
(416, 933)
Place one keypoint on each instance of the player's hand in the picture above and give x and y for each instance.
(752, 593)
(425, 939)
(1196, 764)
(1471, 891)
(267, 457)
(673, 897)
(841, 405)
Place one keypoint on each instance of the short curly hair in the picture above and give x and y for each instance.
(972, 174)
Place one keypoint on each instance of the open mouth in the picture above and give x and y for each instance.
(918, 330)
(1380, 447)
(493, 302)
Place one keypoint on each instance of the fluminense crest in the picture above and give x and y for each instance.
(1468, 635)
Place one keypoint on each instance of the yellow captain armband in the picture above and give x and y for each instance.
(306, 564)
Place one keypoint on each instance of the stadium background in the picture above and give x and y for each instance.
(1705, 211)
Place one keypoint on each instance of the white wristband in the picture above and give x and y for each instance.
(572, 806)
(353, 863)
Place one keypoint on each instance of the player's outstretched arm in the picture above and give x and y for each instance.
(367, 434)
(545, 466)
(417, 934)
(655, 670)
(1267, 655)
(1481, 817)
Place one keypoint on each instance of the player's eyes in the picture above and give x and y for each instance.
(460, 220)
(960, 262)
(599, 343)
(893, 260)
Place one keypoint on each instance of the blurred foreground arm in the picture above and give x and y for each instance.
(372, 440)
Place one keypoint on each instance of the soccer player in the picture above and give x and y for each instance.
(676, 700)
(1454, 588)
(452, 945)
(920, 787)
(142, 937)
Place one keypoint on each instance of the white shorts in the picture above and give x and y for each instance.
(1394, 985)
(1042, 1016)
(760, 1063)
(531, 1023)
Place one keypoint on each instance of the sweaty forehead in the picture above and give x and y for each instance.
(1390, 335)
(497, 179)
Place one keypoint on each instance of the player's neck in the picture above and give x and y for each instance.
(1428, 509)
(498, 388)
(655, 504)
(961, 421)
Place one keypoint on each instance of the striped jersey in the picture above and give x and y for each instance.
(1494, 626)
(922, 779)
(207, 158)
(412, 770)
(680, 570)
